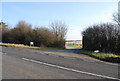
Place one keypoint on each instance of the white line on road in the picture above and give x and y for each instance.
(69, 69)
(111, 63)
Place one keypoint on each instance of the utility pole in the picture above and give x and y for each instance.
(1, 31)
(1, 26)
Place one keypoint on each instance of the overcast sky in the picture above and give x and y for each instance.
(77, 15)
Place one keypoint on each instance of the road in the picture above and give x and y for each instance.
(18, 63)
(70, 47)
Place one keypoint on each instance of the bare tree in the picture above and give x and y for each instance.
(116, 18)
(59, 28)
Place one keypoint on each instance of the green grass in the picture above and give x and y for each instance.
(99, 55)
(25, 46)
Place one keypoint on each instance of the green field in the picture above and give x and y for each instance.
(74, 45)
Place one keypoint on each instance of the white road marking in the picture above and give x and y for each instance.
(69, 69)
(111, 63)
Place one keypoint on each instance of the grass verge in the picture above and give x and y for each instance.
(109, 57)
(25, 46)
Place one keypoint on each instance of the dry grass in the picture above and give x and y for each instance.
(25, 46)
(17, 45)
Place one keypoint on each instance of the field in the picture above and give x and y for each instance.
(77, 43)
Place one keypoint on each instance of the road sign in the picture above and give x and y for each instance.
(31, 43)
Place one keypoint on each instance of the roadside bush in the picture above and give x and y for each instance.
(23, 33)
(103, 37)
(43, 37)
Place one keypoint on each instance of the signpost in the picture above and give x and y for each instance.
(31, 43)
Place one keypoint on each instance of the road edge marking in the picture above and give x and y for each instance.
(69, 69)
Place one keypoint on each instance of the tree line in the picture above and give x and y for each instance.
(24, 33)
(104, 37)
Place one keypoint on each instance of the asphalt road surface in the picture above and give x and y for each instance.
(70, 47)
(18, 63)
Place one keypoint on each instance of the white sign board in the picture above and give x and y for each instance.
(31, 43)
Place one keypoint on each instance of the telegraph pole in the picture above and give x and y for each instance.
(1, 26)
(1, 31)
